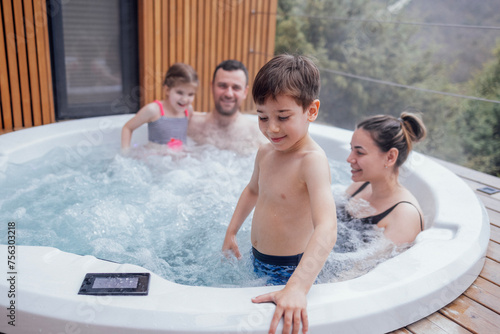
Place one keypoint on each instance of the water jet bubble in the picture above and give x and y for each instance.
(167, 214)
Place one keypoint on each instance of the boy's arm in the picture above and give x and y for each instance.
(246, 203)
(291, 302)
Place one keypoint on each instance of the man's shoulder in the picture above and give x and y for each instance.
(249, 123)
(197, 128)
(199, 115)
(198, 119)
(248, 118)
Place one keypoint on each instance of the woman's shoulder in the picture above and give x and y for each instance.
(406, 216)
(406, 196)
(404, 223)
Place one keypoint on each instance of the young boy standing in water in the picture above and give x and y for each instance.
(294, 225)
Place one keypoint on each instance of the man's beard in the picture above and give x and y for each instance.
(225, 112)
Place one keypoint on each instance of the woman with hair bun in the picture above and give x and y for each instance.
(379, 146)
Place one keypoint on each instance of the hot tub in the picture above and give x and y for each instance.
(446, 258)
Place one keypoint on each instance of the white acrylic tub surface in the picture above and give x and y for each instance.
(445, 260)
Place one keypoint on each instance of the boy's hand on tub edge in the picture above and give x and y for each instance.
(230, 245)
(291, 305)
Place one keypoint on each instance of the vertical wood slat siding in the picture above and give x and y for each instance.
(11, 52)
(5, 116)
(202, 33)
(157, 43)
(32, 64)
(22, 62)
(43, 55)
(25, 75)
(257, 47)
(204, 38)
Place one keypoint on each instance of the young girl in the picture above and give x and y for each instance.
(167, 119)
(379, 146)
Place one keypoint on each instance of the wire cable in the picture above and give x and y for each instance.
(394, 84)
(429, 24)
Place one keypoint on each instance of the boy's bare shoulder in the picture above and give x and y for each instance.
(316, 156)
(314, 159)
(314, 151)
(265, 149)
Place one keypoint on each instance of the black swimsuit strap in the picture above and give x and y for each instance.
(375, 219)
(360, 189)
(419, 215)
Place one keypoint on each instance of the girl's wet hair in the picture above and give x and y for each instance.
(180, 73)
(291, 75)
(388, 132)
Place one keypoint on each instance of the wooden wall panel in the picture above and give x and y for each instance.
(202, 33)
(22, 59)
(12, 69)
(43, 54)
(200, 44)
(33, 64)
(25, 76)
(5, 105)
(158, 65)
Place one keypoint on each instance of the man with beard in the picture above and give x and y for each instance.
(226, 127)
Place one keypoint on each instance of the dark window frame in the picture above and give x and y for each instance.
(129, 100)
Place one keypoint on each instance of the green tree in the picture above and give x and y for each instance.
(352, 37)
(480, 124)
(290, 28)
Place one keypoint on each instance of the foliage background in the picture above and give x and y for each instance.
(362, 37)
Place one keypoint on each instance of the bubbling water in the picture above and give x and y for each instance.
(165, 212)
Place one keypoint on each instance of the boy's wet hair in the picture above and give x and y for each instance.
(231, 65)
(180, 73)
(292, 75)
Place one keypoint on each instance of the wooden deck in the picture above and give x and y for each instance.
(477, 310)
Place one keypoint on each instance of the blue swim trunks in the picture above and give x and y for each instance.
(277, 269)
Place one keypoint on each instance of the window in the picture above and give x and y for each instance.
(94, 57)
